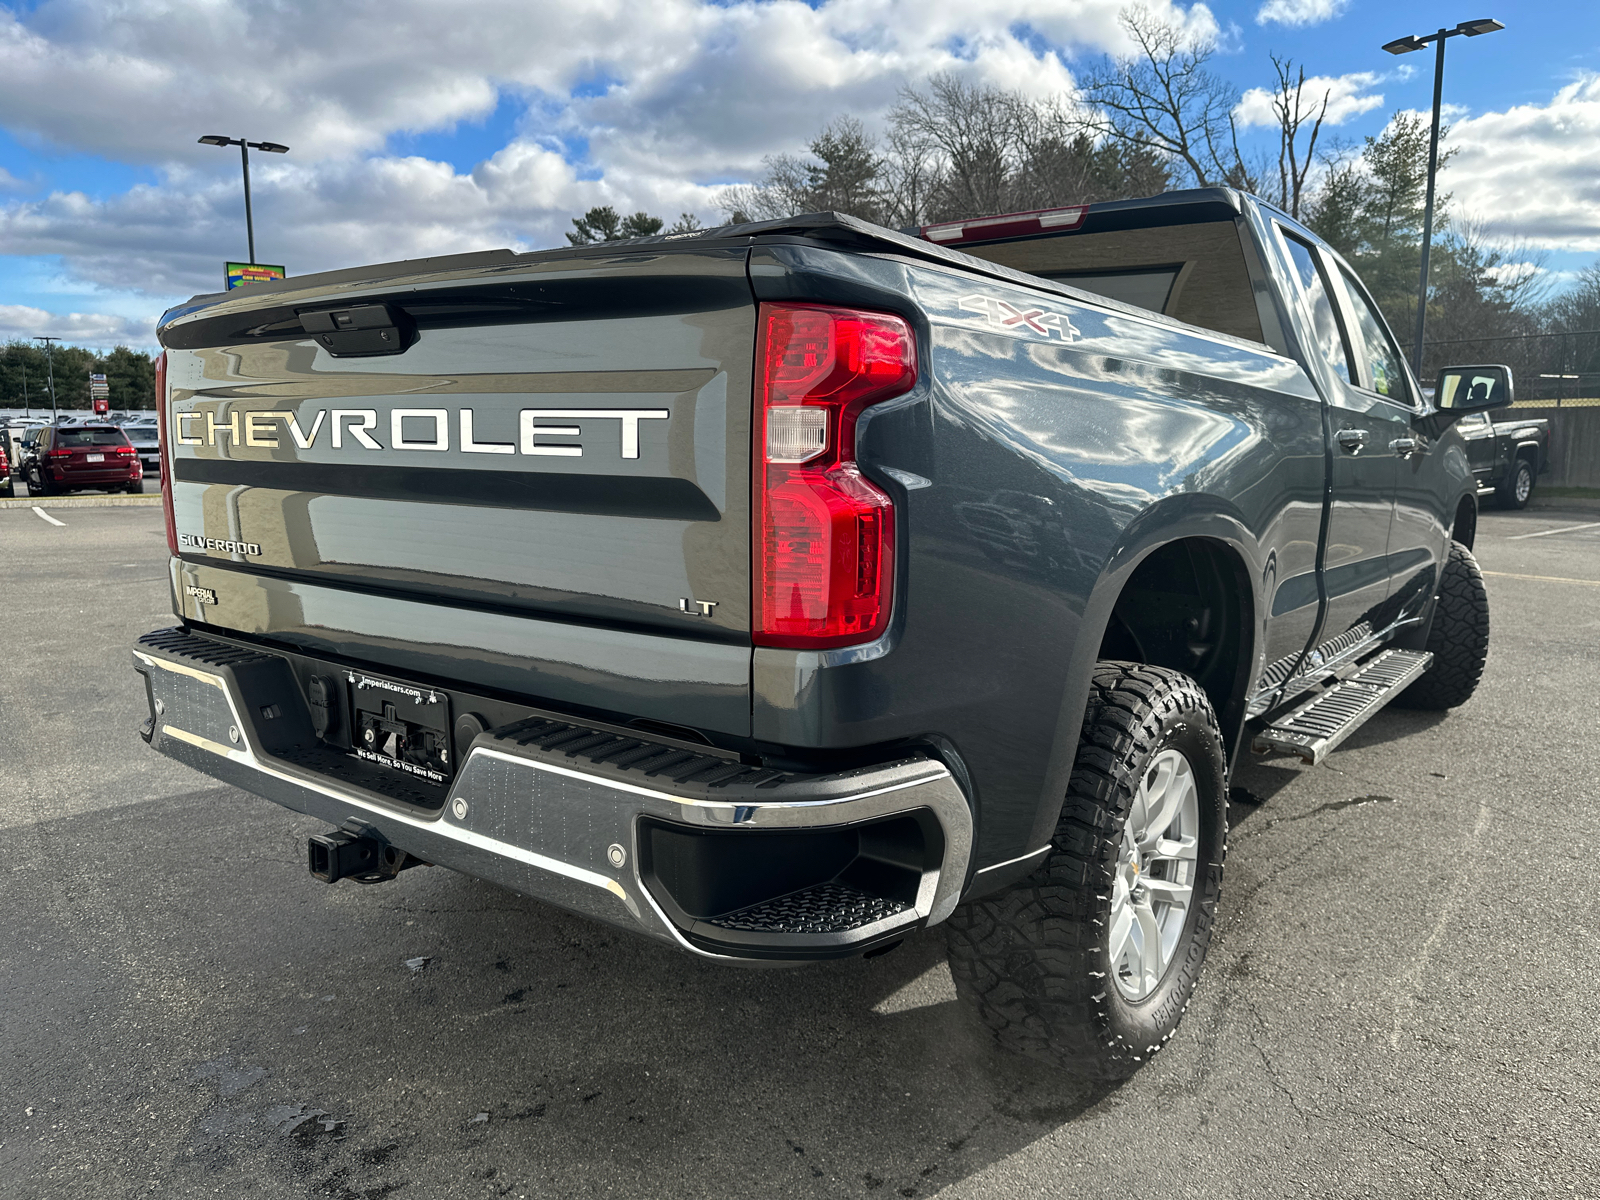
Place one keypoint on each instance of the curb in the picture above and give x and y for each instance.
(149, 501)
(1584, 503)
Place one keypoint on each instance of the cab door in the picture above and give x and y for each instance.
(1477, 430)
(1363, 432)
(1424, 494)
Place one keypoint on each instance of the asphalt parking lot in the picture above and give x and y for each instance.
(1400, 1000)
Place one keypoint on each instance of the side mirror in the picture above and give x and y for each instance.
(1473, 389)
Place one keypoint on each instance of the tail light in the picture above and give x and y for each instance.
(166, 453)
(59, 452)
(824, 535)
(125, 451)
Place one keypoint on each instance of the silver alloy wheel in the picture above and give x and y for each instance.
(1156, 871)
(1524, 482)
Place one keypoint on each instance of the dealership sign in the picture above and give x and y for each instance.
(239, 274)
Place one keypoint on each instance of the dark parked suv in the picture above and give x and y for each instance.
(145, 438)
(64, 459)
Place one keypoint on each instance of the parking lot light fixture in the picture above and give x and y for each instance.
(1405, 45)
(217, 139)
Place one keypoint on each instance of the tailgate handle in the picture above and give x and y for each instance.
(360, 331)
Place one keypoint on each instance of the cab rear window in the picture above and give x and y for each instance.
(72, 439)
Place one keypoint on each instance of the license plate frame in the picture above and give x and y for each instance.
(409, 713)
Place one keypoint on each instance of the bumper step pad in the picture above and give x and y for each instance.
(1316, 728)
(832, 907)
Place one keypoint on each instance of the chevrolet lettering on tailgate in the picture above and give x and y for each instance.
(430, 429)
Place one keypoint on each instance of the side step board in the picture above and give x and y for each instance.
(1317, 727)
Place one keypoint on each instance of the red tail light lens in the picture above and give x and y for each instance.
(126, 451)
(165, 442)
(824, 535)
(58, 453)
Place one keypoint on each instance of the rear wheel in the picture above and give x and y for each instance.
(1458, 638)
(10, 488)
(1089, 963)
(1518, 487)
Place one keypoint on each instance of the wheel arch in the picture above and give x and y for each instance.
(1219, 546)
(1465, 526)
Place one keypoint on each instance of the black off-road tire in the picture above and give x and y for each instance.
(1458, 638)
(1034, 959)
(1512, 495)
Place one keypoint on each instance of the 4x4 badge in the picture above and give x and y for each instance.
(1002, 314)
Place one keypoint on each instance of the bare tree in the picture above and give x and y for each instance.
(911, 176)
(844, 175)
(975, 133)
(1164, 99)
(780, 192)
(953, 150)
(1062, 162)
(1294, 109)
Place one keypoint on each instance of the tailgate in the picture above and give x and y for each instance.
(566, 438)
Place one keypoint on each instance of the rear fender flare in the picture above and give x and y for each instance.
(1171, 520)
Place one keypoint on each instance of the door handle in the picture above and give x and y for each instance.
(1351, 440)
(1405, 447)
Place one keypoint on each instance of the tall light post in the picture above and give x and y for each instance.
(1406, 45)
(50, 366)
(216, 139)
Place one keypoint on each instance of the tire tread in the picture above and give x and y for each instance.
(1458, 638)
(1030, 959)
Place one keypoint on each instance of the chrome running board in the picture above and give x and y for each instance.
(1316, 728)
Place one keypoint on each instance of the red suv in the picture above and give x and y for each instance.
(83, 456)
(8, 485)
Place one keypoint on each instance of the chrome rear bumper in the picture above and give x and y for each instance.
(545, 809)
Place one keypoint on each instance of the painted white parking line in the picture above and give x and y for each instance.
(44, 516)
(1544, 578)
(1553, 532)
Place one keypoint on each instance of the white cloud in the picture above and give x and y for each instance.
(1530, 172)
(638, 103)
(142, 80)
(79, 329)
(171, 240)
(1297, 13)
(1344, 93)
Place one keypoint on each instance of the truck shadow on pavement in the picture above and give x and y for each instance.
(350, 1041)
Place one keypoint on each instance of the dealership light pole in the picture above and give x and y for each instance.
(216, 139)
(50, 366)
(1406, 45)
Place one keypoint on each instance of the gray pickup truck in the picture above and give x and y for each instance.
(780, 589)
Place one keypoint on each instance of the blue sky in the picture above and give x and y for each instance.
(419, 127)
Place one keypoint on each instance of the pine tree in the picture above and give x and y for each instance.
(1371, 211)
